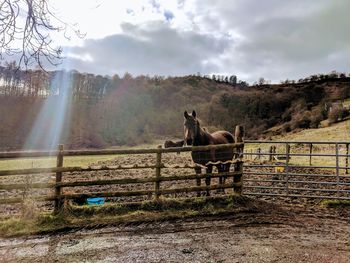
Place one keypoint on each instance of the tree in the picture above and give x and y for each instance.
(261, 81)
(233, 80)
(26, 27)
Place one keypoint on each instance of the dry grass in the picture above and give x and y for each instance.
(46, 162)
(337, 132)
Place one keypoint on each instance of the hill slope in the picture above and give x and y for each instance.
(337, 132)
(133, 110)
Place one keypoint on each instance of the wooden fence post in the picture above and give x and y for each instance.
(238, 179)
(347, 159)
(239, 137)
(310, 160)
(158, 174)
(58, 189)
(286, 171)
(259, 152)
(239, 134)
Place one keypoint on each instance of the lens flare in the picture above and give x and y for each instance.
(53, 117)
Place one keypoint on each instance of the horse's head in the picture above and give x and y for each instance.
(191, 127)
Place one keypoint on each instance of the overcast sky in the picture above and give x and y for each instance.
(249, 38)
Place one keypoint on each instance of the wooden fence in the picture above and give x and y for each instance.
(297, 169)
(157, 179)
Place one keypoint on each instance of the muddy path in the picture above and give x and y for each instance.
(290, 234)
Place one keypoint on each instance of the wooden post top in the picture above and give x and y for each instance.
(239, 134)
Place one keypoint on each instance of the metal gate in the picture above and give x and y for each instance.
(297, 169)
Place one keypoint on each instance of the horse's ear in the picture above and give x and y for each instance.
(194, 114)
(186, 114)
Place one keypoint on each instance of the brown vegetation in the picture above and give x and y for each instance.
(107, 111)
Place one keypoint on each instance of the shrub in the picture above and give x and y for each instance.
(301, 120)
(337, 113)
(316, 117)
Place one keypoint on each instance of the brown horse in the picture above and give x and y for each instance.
(171, 144)
(196, 136)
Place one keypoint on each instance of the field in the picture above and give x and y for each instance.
(46, 162)
(339, 132)
(267, 229)
(23, 163)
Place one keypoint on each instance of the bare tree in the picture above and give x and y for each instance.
(26, 27)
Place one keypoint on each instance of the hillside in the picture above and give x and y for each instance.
(337, 132)
(106, 111)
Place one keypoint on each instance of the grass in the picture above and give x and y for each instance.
(304, 160)
(335, 203)
(45, 162)
(337, 132)
(157, 205)
(347, 102)
(153, 144)
(91, 216)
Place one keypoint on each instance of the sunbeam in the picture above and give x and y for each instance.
(53, 117)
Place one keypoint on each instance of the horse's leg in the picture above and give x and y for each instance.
(198, 171)
(208, 178)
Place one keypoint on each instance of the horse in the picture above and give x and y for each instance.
(194, 135)
(171, 144)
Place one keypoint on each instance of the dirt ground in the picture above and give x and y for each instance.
(291, 234)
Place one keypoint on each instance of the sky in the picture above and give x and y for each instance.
(273, 39)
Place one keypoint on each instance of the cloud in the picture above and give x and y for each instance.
(279, 39)
(153, 48)
(271, 39)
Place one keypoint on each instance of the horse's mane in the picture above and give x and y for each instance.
(204, 134)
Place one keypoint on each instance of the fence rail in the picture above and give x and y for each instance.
(22, 154)
(157, 179)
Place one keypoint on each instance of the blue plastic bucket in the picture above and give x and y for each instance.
(95, 201)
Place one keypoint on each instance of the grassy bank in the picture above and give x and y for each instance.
(92, 216)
